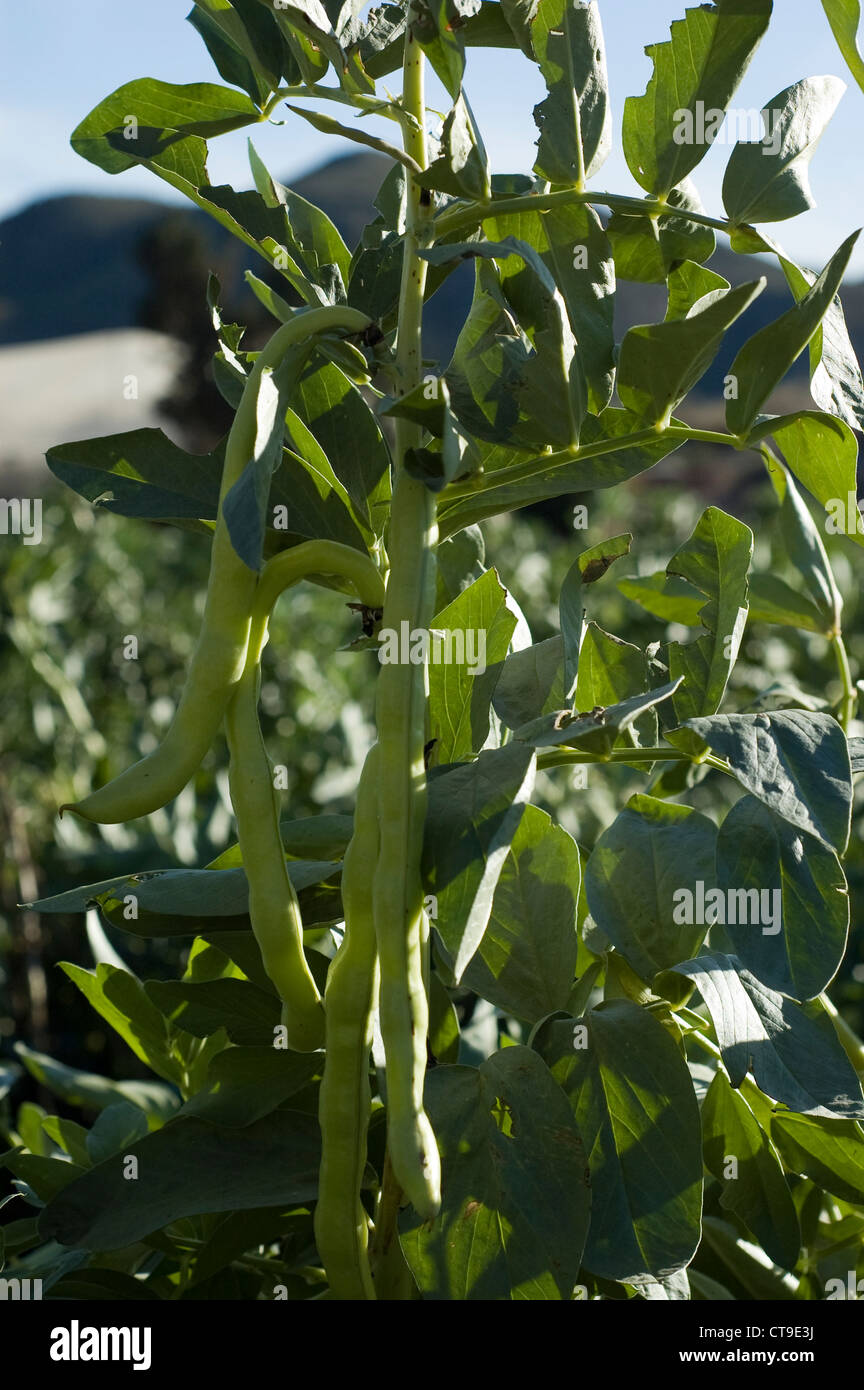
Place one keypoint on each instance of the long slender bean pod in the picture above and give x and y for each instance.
(401, 716)
(273, 907)
(219, 656)
(341, 1224)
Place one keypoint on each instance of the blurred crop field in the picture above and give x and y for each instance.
(75, 712)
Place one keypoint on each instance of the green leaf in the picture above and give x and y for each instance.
(595, 731)
(648, 246)
(667, 131)
(71, 1137)
(531, 683)
(182, 163)
(836, 384)
(794, 1059)
(245, 1083)
(526, 962)
(767, 181)
(245, 505)
(185, 1169)
(660, 363)
(309, 33)
(687, 284)
(574, 120)
(248, 1014)
(463, 165)
(822, 452)
(334, 411)
(831, 1152)
(765, 358)
(473, 813)
(586, 569)
(45, 1176)
(512, 382)
(114, 1131)
(443, 1022)
(639, 866)
(664, 596)
(633, 1100)
(313, 502)
(756, 1190)
(318, 237)
(544, 479)
(844, 16)
(573, 244)
(516, 1199)
(242, 45)
(608, 669)
(797, 949)
(743, 1263)
(464, 666)
(795, 761)
(519, 15)
(183, 902)
(437, 26)
(93, 1092)
(119, 998)
(142, 118)
(772, 600)
(141, 473)
(804, 548)
(715, 560)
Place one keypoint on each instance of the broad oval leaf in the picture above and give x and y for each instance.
(766, 181)
(516, 1198)
(795, 939)
(633, 1100)
(754, 1186)
(667, 131)
(796, 761)
(793, 1058)
(185, 1169)
(639, 875)
(526, 962)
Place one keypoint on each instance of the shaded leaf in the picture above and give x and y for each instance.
(516, 1200)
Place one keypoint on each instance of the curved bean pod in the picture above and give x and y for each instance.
(220, 653)
(398, 890)
(273, 907)
(341, 1224)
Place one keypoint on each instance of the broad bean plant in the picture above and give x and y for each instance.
(442, 1049)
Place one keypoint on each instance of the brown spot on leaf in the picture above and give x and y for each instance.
(595, 569)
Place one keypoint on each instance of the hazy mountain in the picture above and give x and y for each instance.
(73, 265)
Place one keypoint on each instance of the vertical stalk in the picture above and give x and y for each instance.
(849, 701)
(401, 717)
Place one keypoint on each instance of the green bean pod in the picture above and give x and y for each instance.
(341, 1224)
(398, 890)
(219, 656)
(273, 907)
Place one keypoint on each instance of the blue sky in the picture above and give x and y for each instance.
(60, 59)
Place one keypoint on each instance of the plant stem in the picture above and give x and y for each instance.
(402, 694)
(467, 218)
(392, 1276)
(530, 468)
(852, 1044)
(563, 757)
(850, 694)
